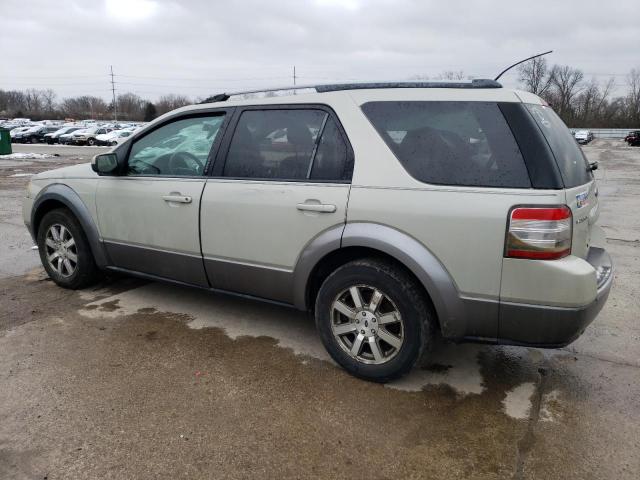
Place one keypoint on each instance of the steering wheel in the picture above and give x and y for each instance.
(184, 161)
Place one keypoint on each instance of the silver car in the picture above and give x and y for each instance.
(393, 212)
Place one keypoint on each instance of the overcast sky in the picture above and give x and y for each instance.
(202, 47)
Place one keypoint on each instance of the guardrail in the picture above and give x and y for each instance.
(607, 132)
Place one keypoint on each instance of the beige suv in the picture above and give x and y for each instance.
(394, 212)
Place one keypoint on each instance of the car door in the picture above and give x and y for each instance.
(285, 179)
(149, 216)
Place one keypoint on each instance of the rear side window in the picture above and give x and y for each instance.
(451, 143)
(572, 163)
(287, 144)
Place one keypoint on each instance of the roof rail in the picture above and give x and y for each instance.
(475, 83)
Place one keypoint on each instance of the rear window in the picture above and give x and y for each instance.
(572, 163)
(451, 143)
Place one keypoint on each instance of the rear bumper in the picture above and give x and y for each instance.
(551, 326)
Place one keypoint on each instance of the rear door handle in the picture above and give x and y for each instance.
(177, 198)
(316, 207)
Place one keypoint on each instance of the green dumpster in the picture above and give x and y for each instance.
(5, 141)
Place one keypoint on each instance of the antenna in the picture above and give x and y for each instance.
(521, 61)
(113, 90)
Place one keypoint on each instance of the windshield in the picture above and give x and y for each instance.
(572, 163)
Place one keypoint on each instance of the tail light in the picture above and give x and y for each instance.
(540, 233)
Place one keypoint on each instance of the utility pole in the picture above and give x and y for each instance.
(294, 78)
(113, 90)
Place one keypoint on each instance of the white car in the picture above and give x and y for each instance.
(18, 131)
(395, 213)
(88, 135)
(583, 136)
(113, 138)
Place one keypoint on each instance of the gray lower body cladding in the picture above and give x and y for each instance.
(549, 326)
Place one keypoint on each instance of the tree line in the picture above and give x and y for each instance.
(42, 105)
(581, 102)
(578, 101)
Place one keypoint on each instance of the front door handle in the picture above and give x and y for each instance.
(316, 207)
(177, 198)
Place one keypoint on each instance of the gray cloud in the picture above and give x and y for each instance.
(201, 47)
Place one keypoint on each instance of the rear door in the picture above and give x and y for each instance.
(580, 187)
(284, 181)
(149, 217)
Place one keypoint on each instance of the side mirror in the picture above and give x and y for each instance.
(105, 163)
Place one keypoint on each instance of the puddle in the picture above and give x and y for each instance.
(456, 366)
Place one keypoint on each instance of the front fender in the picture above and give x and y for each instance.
(61, 193)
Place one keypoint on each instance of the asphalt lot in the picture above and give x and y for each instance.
(143, 380)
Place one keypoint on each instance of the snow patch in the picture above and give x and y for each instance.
(21, 175)
(26, 156)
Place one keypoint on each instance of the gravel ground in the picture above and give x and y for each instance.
(143, 380)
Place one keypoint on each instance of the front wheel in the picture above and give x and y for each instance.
(91, 142)
(374, 319)
(64, 250)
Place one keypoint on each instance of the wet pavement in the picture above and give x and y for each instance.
(144, 380)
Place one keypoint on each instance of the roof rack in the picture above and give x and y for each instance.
(475, 83)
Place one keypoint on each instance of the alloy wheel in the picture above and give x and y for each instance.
(367, 325)
(60, 250)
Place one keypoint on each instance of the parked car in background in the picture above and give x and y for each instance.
(16, 132)
(583, 136)
(67, 138)
(35, 134)
(633, 138)
(54, 137)
(113, 138)
(472, 215)
(88, 135)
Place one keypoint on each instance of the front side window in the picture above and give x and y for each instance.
(179, 148)
(451, 143)
(296, 144)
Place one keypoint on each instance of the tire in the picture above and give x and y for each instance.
(33, 140)
(401, 299)
(85, 272)
(91, 142)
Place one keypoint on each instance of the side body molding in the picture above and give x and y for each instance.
(449, 305)
(67, 196)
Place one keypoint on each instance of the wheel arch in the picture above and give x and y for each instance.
(62, 196)
(360, 240)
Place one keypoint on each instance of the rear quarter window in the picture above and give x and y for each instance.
(451, 143)
(572, 163)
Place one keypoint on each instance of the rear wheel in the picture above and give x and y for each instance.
(65, 252)
(373, 319)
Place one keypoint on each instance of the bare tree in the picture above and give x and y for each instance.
(166, 103)
(84, 107)
(633, 97)
(49, 101)
(534, 76)
(130, 106)
(565, 85)
(451, 75)
(33, 100)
